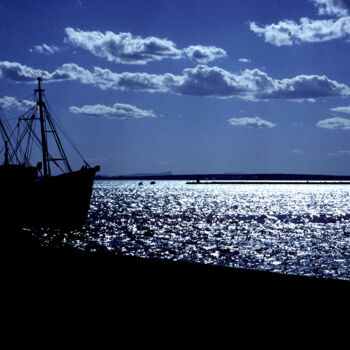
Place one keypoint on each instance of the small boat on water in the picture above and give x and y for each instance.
(40, 195)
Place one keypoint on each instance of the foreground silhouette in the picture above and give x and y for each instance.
(26, 257)
(33, 195)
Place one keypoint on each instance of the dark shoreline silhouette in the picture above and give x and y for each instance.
(26, 258)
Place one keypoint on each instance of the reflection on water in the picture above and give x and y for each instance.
(295, 229)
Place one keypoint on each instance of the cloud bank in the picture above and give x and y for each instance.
(254, 122)
(117, 111)
(201, 80)
(128, 49)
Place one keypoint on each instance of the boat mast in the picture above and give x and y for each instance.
(40, 103)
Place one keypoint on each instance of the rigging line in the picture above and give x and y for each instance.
(18, 101)
(8, 86)
(6, 126)
(38, 143)
(27, 152)
(32, 140)
(8, 139)
(35, 139)
(8, 119)
(24, 98)
(31, 146)
(3, 134)
(58, 142)
(70, 141)
(19, 141)
(65, 133)
(21, 116)
(12, 148)
(2, 114)
(15, 88)
(17, 148)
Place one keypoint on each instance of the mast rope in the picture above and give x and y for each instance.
(60, 126)
(10, 91)
(6, 127)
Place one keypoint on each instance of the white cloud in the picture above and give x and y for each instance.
(128, 49)
(201, 80)
(255, 84)
(254, 122)
(17, 72)
(45, 49)
(70, 71)
(123, 47)
(297, 151)
(334, 123)
(306, 87)
(117, 111)
(204, 54)
(106, 79)
(12, 102)
(333, 7)
(244, 60)
(345, 109)
(288, 32)
(300, 100)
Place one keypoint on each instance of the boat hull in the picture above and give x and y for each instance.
(55, 201)
(60, 201)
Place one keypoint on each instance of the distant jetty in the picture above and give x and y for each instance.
(270, 183)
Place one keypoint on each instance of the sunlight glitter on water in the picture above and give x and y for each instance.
(295, 229)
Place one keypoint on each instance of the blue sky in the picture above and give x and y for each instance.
(206, 86)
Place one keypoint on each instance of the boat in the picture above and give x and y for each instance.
(49, 193)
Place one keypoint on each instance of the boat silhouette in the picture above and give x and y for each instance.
(49, 193)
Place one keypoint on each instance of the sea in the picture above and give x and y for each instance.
(296, 229)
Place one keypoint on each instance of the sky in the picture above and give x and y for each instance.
(195, 86)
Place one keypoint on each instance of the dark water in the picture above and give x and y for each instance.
(293, 229)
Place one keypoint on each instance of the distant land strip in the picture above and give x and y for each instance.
(220, 178)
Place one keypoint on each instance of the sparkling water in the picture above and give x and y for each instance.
(295, 229)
